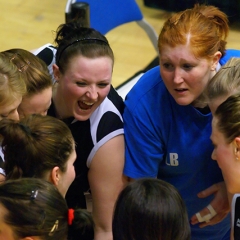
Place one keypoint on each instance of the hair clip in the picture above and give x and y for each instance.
(54, 228)
(24, 67)
(34, 194)
(70, 216)
(13, 57)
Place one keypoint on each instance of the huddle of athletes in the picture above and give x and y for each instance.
(146, 161)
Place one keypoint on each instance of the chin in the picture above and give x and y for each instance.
(183, 102)
(81, 117)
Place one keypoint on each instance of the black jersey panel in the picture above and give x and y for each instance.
(84, 144)
(46, 55)
(116, 99)
(105, 126)
(1, 163)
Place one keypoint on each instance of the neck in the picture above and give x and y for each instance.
(59, 102)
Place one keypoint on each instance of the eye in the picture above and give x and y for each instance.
(81, 84)
(187, 67)
(4, 115)
(168, 66)
(103, 85)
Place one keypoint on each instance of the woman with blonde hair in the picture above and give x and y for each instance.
(38, 82)
(12, 90)
(225, 83)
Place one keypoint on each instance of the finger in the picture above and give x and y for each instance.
(217, 219)
(204, 215)
(208, 191)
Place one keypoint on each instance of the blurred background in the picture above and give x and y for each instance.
(31, 24)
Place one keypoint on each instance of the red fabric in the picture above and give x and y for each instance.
(70, 216)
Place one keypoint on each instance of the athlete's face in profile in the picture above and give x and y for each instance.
(84, 85)
(10, 110)
(68, 176)
(227, 156)
(36, 104)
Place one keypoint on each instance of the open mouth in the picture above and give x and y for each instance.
(85, 105)
(180, 90)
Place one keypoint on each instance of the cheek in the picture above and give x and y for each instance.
(223, 157)
(71, 92)
(102, 94)
(166, 76)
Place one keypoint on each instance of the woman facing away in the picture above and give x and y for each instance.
(84, 99)
(149, 209)
(168, 125)
(43, 147)
(33, 209)
(226, 82)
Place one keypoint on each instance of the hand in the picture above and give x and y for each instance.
(220, 204)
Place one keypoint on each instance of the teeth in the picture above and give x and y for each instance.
(87, 103)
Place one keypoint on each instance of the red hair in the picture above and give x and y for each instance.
(205, 28)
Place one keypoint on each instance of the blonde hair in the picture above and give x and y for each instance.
(225, 82)
(228, 116)
(204, 27)
(35, 71)
(12, 84)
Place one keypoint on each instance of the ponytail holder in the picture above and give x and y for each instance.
(70, 216)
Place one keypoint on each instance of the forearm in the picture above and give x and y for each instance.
(103, 212)
(99, 234)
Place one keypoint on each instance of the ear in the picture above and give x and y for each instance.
(56, 72)
(215, 60)
(237, 148)
(55, 176)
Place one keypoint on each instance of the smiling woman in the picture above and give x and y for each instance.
(82, 66)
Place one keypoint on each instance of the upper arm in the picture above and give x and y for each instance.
(106, 180)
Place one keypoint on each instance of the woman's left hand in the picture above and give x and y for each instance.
(220, 205)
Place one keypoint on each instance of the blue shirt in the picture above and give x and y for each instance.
(172, 142)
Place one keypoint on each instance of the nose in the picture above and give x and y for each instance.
(177, 76)
(14, 115)
(92, 92)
